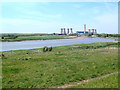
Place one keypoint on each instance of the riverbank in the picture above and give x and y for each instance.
(63, 65)
(28, 38)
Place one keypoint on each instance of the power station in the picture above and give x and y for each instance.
(89, 31)
(67, 31)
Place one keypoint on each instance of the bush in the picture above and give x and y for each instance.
(25, 58)
(50, 48)
(2, 37)
(45, 49)
(2, 55)
(93, 75)
(10, 36)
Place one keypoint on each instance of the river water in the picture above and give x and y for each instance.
(7, 46)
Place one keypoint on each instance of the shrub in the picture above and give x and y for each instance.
(2, 37)
(94, 47)
(10, 36)
(25, 58)
(2, 55)
(93, 75)
(45, 49)
(50, 48)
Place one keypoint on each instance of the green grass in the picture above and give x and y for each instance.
(20, 38)
(0, 73)
(64, 65)
(106, 82)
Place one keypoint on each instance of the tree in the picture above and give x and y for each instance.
(53, 33)
(12, 36)
(107, 35)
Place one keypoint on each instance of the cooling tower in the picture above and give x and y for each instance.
(68, 31)
(71, 32)
(61, 31)
(95, 31)
(64, 32)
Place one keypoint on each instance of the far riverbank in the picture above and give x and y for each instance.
(28, 38)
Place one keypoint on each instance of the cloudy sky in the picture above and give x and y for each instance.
(49, 17)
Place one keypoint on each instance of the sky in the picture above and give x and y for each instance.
(50, 17)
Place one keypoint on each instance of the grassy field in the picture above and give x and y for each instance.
(20, 38)
(0, 73)
(110, 81)
(64, 65)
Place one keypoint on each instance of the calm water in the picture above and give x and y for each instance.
(7, 46)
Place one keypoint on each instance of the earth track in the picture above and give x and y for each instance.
(81, 82)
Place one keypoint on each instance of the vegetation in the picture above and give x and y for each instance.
(114, 36)
(24, 34)
(50, 49)
(64, 65)
(73, 34)
(9, 36)
(20, 38)
(108, 35)
(45, 49)
(110, 81)
(0, 74)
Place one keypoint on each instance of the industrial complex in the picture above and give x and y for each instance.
(67, 31)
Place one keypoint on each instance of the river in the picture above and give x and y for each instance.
(7, 46)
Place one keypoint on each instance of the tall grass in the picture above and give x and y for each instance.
(36, 69)
(110, 81)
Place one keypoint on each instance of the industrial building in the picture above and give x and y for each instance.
(66, 31)
(89, 31)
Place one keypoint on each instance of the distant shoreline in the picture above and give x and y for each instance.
(69, 38)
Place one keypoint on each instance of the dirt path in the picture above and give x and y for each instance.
(78, 83)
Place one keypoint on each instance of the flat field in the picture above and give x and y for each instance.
(63, 65)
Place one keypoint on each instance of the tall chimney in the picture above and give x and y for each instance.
(84, 28)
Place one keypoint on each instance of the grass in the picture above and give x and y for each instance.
(106, 82)
(0, 73)
(20, 38)
(64, 65)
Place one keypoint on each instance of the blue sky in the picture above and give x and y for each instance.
(49, 17)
